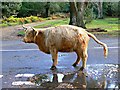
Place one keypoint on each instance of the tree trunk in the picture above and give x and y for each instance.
(76, 14)
(73, 13)
(100, 10)
(47, 6)
(80, 12)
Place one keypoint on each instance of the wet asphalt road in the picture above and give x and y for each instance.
(21, 62)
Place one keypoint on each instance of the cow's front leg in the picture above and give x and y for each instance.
(54, 54)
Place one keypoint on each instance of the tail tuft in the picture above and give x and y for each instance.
(105, 51)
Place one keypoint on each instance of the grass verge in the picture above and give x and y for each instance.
(109, 24)
(8, 24)
(53, 23)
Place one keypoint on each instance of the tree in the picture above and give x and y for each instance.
(80, 17)
(100, 9)
(77, 13)
(58, 7)
(43, 9)
(31, 8)
(47, 6)
(111, 8)
(10, 8)
(0, 10)
(73, 13)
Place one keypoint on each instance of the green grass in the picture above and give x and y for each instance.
(8, 24)
(53, 23)
(108, 24)
(48, 24)
(3, 25)
(21, 33)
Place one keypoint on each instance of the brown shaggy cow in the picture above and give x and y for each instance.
(64, 38)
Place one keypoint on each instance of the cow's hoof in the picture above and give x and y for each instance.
(53, 68)
(82, 68)
(74, 65)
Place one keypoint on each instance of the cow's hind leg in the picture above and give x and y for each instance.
(78, 59)
(84, 59)
(54, 54)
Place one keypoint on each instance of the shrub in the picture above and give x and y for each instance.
(34, 18)
(27, 20)
(21, 20)
(49, 18)
(42, 19)
(11, 19)
(4, 21)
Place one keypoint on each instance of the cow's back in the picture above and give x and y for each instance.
(64, 38)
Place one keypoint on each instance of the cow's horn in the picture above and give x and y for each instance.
(24, 27)
(33, 28)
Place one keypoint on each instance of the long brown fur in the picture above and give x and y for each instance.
(64, 38)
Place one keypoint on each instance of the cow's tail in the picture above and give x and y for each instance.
(101, 43)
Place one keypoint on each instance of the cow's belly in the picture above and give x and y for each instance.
(67, 47)
(67, 50)
(44, 49)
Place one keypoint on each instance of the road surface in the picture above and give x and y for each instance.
(24, 66)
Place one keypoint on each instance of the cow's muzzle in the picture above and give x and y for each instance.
(24, 40)
(27, 41)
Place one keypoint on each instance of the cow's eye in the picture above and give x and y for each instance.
(29, 33)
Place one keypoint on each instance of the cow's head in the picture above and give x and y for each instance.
(30, 33)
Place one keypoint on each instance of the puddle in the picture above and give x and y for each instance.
(95, 76)
(98, 76)
(24, 75)
(47, 78)
(59, 80)
(109, 71)
(1, 76)
(22, 83)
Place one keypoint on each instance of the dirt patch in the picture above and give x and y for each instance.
(11, 32)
